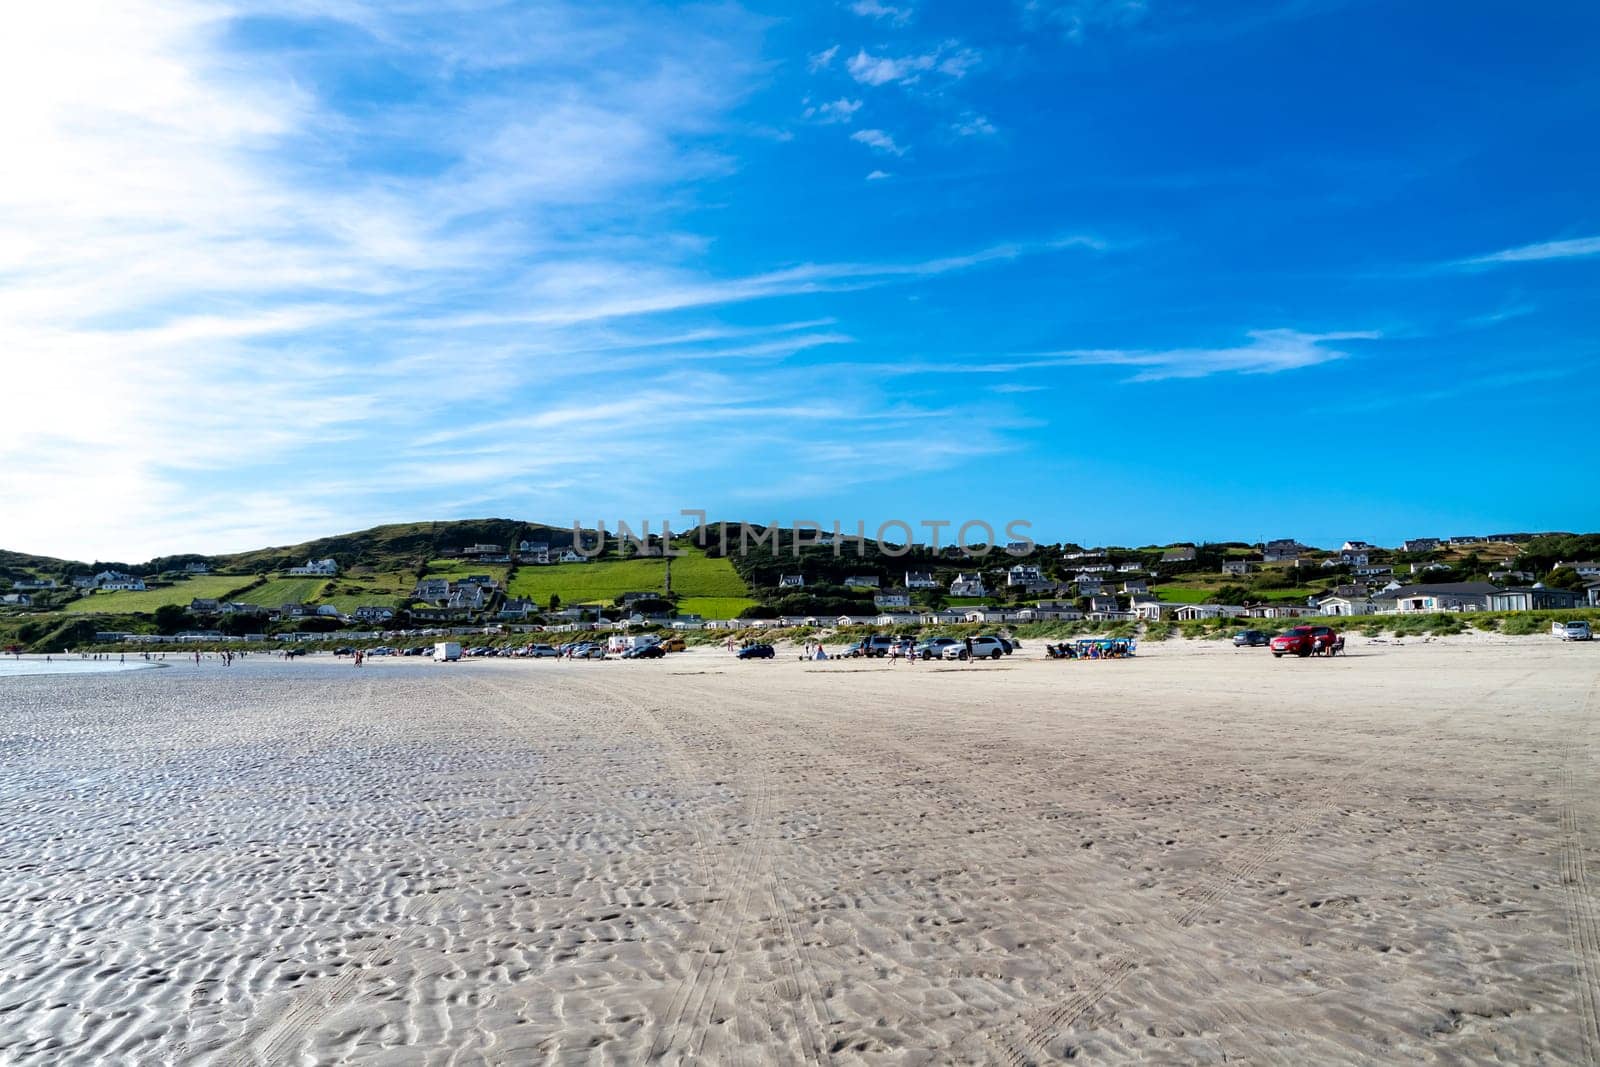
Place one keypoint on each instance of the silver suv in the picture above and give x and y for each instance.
(982, 648)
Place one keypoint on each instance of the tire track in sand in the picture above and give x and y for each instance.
(1583, 925)
(1037, 1028)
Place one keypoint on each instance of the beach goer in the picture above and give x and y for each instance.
(967, 643)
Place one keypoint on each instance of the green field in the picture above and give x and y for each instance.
(213, 586)
(714, 607)
(388, 589)
(694, 576)
(279, 591)
(455, 569)
(1178, 594)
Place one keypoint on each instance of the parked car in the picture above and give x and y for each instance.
(933, 647)
(756, 652)
(1576, 630)
(982, 648)
(344, 650)
(645, 652)
(542, 652)
(1304, 640)
(1249, 639)
(674, 644)
(877, 646)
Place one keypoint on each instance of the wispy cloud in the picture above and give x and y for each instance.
(973, 125)
(1570, 248)
(823, 59)
(840, 110)
(875, 9)
(1268, 352)
(950, 59)
(1076, 18)
(878, 139)
(878, 175)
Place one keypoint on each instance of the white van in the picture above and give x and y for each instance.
(1576, 630)
(617, 644)
(446, 652)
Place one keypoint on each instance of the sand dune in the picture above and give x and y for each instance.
(1201, 855)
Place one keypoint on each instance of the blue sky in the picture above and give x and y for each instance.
(1131, 270)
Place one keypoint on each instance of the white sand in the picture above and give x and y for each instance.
(1199, 855)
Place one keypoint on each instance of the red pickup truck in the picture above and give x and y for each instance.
(1306, 640)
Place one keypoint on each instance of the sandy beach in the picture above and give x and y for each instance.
(1200, 855)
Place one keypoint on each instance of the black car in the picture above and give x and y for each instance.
(756, 652)
(645, 652)
(1250, 638)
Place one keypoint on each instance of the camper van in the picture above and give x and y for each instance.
(446, 652)
(617, 644)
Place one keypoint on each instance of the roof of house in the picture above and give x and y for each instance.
(1445, 589)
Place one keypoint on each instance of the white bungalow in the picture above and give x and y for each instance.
(920, 580)
(968, 585)
(1023, 574)
(1347, 605)
(319, 567)
(887, 601)
(792, 581)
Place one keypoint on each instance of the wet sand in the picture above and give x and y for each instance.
(1198, 856)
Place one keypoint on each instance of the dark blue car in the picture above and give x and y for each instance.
(756, 652)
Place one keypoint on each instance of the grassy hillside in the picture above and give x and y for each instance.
(279, 591)
(693, 576)
(456, 569)
(714, 607)
(400, 546)
(215, 586)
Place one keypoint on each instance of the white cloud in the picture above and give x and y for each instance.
(840, 110)
(1571, 248)
(1268, 352)
(875, 9)
(950, 58)
(823, 59)
(878, 175)
(973, 125)
(879, 140)
(1075, 18)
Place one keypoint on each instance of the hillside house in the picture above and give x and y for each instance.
(1354, 558)
(1178, 555)
(373, 613)
(1586, 568)
(1280, 611)
(1420, 544)
(1237, 567)
(293, 611)
(1282, 550)
(1130, 568)
(1138, 585)
(792, 581)
(1088, 585)
(896, 618)
(920, 580)
(317, 567)
(204, 606)
(125, 584)
(328, 611)
(1507, 577)
(196, 568)
(570, 556)
(467, 598)
(432, 590)
(1098, 604)
(892, 600)
(862, 581)
(1023, 574)
(33, 584)
(1153, 610)
(535, 552)
(17, 600)
(1357, 546)
(1020, 548)
(1376, 570)
(968, 585)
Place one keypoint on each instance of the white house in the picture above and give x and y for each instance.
(896, 618)
(1354, 558)
(1420, 544)
(920, 580)
(892, 600)
(1138, 585)
(1237, 567)
(374, 613)
(1281, 611)
(123, 585)
(1023, 574)
(34, 583)
(196, 568)
(968, 585)
(204, 606)
(323, 567)
(1130, 568)
(1347, 605)
(17, 600)
(1356, 546)
(569, 556)
(1447, 596)
(792, 581)
(537, 552)
(862, 581)
(1372, 570)
(1192, 612)
(1088, 585)
(1585, 568)
(1154, 610)
(433, 590)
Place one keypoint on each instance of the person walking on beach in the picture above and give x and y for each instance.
(967, 643)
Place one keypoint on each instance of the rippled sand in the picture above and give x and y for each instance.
(1198, 856)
